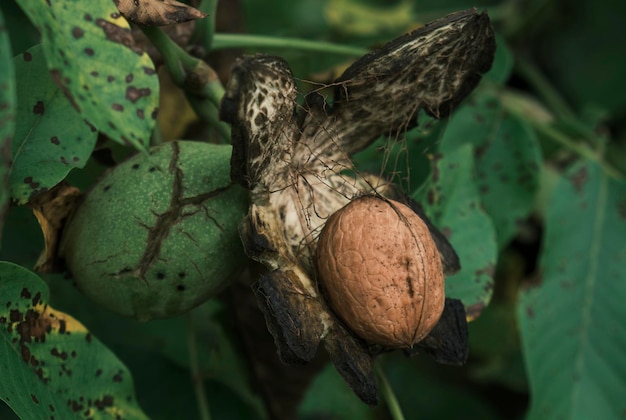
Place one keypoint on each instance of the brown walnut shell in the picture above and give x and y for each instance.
(381, 272)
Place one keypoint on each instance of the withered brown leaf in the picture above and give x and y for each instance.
(51, 210)
(157, 12)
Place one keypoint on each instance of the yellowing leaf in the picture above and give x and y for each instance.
(355, 18)
(94, 60)
(52, 366)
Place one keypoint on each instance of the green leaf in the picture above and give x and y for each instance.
(157, 354)
(92, 56)
(329, 397)
(507, 156)
(51, 138)
(453, 204)
(221, 361)
(497, 361)
(429, 391)
(8, 101)
(50, 364)
(572, 327)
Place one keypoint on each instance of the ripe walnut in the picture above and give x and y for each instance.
(381, 271)
(295, 158)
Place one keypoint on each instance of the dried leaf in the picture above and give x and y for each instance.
(157, 12)
(51, 210)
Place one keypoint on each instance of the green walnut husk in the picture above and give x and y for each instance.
(157, 235)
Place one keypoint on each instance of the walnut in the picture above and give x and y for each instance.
(381, 271)
(295, 158)
(148, 239)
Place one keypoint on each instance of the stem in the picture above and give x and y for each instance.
(544, 88)
(199, 82)
(581, 142)
(176, 60)
(390, 398)
(579, 148)
(222, 41)
(205, 28)
(157, 136)
(196, 375)
(210, 115)
(563, 111)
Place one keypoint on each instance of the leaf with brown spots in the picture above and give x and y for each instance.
(52, 209)
(93, 57)
(452, 201)
(8, 103)
(51, 138)
(157, 12)
(49, 361)
(572, 324)
(507, 156)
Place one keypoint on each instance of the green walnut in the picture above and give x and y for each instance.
(157, 235)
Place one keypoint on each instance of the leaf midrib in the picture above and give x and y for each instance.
(589, 289)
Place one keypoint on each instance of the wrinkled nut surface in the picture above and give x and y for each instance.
(381, 271)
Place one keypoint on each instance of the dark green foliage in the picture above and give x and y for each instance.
(44, 151)
(8, 101)
(578, 302)
(526, 178)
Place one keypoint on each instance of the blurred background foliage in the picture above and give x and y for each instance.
(564, 61)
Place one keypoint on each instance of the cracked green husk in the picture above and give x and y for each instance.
(157, 235)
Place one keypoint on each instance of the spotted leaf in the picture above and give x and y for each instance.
(572, 323)
(452, 201)
(92, 56)
(52, 367)
(507, 156)
(7, 115)
(158, 12)
(51, 138)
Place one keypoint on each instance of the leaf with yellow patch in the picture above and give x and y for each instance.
(158, 12)
(51, 366)
(93, 58)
